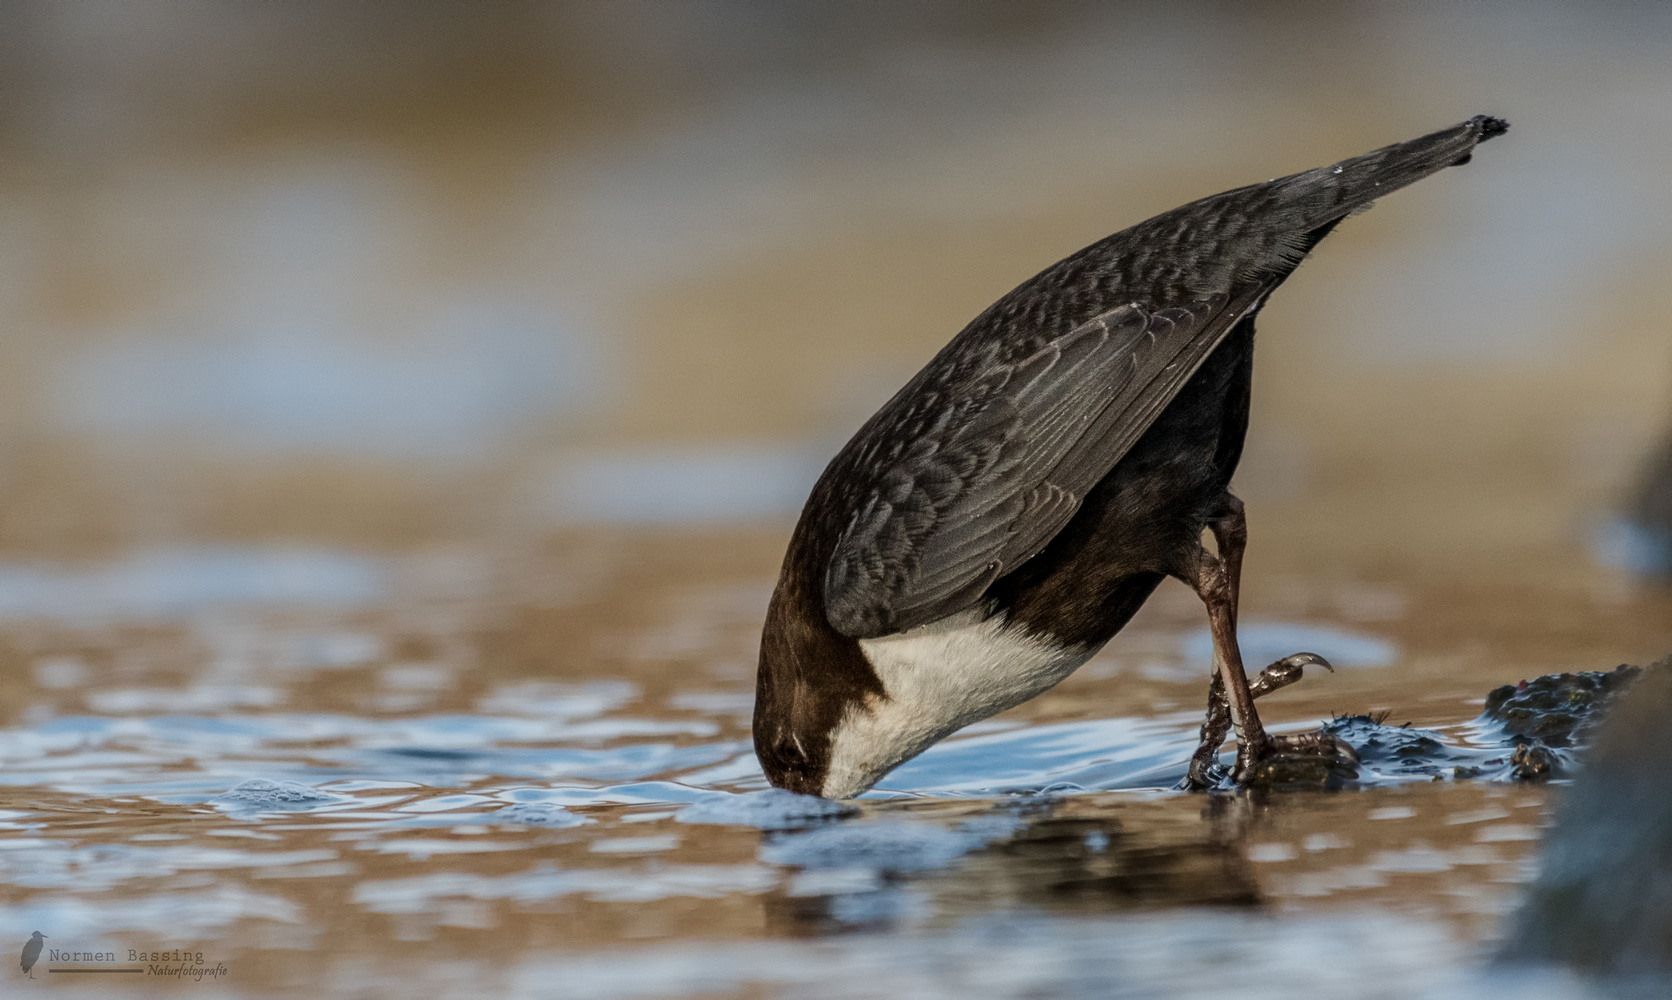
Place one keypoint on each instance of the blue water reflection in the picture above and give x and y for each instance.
(172, 582)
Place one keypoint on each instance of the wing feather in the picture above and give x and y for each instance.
(1002, 461)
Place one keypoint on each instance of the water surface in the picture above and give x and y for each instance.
(402, 788)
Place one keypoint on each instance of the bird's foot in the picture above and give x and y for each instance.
(1205, 770)
(1202, 777)
(1283, 759)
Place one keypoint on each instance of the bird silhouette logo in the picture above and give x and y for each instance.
(32, 952)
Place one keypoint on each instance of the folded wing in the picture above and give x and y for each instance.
(1001, 462)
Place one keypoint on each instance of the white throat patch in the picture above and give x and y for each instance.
(939, 678)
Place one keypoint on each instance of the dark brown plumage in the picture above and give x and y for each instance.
(1013, 505)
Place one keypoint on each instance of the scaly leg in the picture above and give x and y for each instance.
(1230, 695)
(1230, 536)
(1217, 580)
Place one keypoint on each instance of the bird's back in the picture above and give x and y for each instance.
(1167, 291)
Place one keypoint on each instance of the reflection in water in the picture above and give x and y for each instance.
(169, 583)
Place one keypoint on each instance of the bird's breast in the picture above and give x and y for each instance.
(937, 679)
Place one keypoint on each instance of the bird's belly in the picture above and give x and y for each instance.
(939, 678)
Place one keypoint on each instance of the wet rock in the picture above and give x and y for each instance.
(1557, 709)
(1385, 753)
(1603, 899)
(1530, 731)
(1546, 720)
(1534, 762)
(1286, 773)
(1394, 749)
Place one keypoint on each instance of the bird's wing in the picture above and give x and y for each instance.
(998, 465)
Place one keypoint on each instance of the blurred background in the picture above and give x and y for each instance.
(341, 275)
(404, 407)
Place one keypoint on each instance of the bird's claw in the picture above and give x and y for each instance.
(1285, 672)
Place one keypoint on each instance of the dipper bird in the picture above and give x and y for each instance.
(1009, 510)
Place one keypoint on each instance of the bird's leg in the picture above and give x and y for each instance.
(1230, 537)
(1217, 579)
(1214, 728)
(1230, 694)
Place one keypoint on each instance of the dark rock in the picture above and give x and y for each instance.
(1530, 731)
(1603, 900)
(1557, 709)
(1286, 773)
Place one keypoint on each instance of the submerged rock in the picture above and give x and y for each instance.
(1603, 900)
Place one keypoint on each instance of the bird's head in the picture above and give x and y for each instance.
(792, 733)
(811, 681)
(828, 740)
(37, 936)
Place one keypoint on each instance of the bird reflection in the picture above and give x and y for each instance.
(1076, 855)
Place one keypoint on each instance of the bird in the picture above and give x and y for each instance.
(1009, 509)
(32, 952)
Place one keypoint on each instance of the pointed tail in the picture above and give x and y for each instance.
(1328, 194)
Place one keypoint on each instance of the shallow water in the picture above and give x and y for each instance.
(529, 773)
